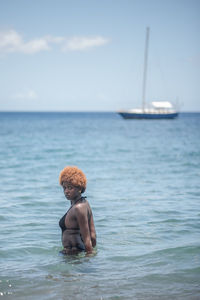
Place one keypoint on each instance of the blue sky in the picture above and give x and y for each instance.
(84, 55)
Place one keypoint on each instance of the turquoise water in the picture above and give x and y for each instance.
(143, 187)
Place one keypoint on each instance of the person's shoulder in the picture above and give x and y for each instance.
(81, 206)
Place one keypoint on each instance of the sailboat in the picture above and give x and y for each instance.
(158, 109)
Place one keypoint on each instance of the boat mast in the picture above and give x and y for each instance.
(145, 67)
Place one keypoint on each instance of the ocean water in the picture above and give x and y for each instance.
(143, 187)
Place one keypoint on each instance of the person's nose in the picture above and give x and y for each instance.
(66, 191)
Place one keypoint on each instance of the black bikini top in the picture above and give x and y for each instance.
(62, 223)
(62, 220)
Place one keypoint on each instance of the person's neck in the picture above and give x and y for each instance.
(74, 201)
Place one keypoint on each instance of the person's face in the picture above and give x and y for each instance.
(71, 192)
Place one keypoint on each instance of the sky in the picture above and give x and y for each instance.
(88, 55)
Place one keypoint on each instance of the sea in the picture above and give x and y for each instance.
(144, 190)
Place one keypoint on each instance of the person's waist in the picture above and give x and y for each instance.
(72, 230)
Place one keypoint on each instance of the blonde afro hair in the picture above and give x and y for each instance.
(74, 176)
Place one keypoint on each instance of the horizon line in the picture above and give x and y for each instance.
(76, 111)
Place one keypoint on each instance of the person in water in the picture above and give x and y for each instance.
(77, 225)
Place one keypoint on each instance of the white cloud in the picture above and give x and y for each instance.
(11, 41)
(84, 43)
(29, 95)
(54, 39)
(35, 46)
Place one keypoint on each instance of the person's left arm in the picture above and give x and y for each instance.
(82, 219)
